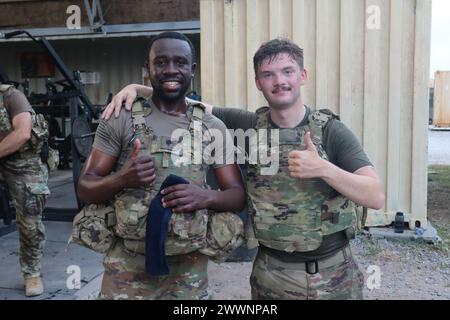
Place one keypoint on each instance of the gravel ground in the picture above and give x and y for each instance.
(409, 271)
(439, 147)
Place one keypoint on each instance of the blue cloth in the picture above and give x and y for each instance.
(156, 231)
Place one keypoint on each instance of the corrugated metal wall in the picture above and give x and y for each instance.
(374, 76)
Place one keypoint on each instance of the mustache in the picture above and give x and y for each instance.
(281, 88)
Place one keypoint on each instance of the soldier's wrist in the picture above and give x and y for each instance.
(210, 198)
(327, 171)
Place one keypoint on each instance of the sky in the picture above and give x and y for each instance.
(440, 37)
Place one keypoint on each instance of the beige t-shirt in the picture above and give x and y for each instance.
(113, 136)
(16, 103)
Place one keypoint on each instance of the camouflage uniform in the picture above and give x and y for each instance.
(293, 215)
(339, 278)
(26, 177)
(125, 277)
(188, 242)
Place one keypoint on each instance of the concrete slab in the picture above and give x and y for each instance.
(55, 264)
(7, 229)
(438, 152)
(434, 128)
(18, 294)
(58, 231)
(91, 290)
(430, 235)
(62, 190)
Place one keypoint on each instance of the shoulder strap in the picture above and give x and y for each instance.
(139, 111)
(195, 112)
(4, 88)
(318, 120)
(262, 118)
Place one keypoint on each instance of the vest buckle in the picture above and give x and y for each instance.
(312, 267)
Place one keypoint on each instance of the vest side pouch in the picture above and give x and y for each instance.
(134, 246)
(187, 232)
(40, 131)
(93, 227)
(224, 235)
(131, 206)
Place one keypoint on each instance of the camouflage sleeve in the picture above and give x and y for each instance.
(235, 118)
(343, 147)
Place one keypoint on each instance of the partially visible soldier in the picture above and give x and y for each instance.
(22, 134)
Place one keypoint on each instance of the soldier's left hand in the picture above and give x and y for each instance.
(306, 164)
(185, 198)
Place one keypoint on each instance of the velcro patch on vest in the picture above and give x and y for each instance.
(325, 215)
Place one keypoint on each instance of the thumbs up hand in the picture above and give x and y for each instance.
(307, 164)
(309, 144)
(139, 170)
(137, 145)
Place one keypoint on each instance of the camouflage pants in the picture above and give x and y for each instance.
(339, 278)
(27, 183)
(125, 277)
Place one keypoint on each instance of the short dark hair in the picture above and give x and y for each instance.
(171, 35)
(273, 48)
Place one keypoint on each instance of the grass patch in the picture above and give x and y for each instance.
(443, 246)
(372, 247)
(438, 204)
(440, 178)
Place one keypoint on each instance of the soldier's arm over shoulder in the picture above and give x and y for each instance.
(224, 153)
(235, 118)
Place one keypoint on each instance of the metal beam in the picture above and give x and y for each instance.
(120, 30)
(13, 1)
(95, 15)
